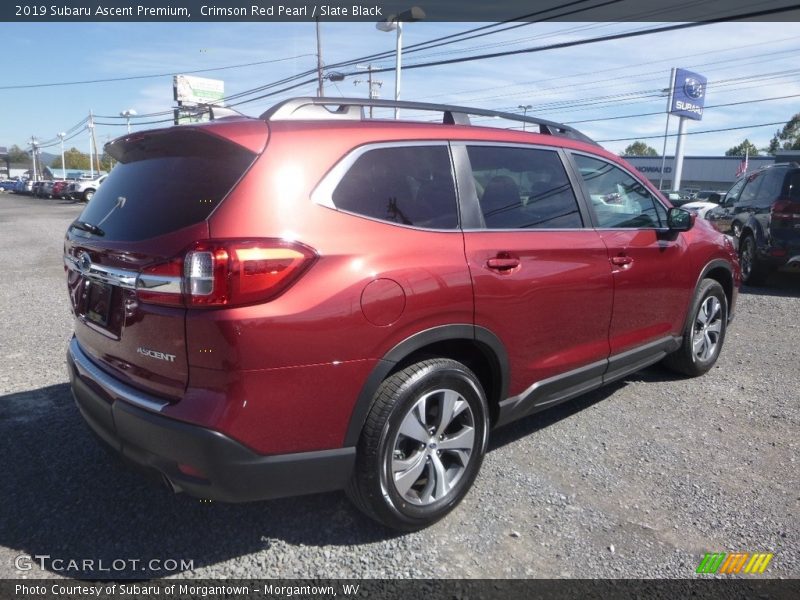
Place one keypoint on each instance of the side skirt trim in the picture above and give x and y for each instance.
(554, 390)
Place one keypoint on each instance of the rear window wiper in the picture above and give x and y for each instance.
(86, 226)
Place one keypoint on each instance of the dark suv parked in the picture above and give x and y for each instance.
(763, 209)
(313, 300)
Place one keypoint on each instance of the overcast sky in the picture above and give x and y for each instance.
(744, 62)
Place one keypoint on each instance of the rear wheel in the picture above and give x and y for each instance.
(754, 271)
(422, 445)
(705, 332)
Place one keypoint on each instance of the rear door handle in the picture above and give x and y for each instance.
(503, 262)
(621, 261)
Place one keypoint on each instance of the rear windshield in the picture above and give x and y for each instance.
(164, 182)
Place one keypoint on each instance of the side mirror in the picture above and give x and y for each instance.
(679, 219)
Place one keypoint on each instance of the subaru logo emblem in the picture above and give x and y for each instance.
(84, 261)
(693, 88)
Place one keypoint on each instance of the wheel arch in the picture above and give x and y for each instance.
(720, 271)
(752, 227)
(475, 347)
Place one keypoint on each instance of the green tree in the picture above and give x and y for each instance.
(787, 138)
(638, 148)
(18, 155)
(745, 147)
(74, 159)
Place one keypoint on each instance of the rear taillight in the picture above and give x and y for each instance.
(226, 273)
(785, 210)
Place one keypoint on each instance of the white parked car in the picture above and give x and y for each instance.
(701, 207)
(84, 190)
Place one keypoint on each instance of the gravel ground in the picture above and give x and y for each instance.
(639, 479)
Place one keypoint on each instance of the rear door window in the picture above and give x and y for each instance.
(408, 185)
(523, 188)
(165, 182)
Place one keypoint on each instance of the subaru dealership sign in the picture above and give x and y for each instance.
(688, 95)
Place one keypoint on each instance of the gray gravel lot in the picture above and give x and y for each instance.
(636, 480)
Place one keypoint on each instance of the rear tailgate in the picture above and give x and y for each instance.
(152, 207)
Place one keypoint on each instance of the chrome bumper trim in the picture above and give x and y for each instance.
(114, 389)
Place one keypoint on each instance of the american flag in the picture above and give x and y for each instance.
(743, 165)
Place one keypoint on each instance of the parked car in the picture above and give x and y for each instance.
(313, 301)
(84, 189)
(7, 185)
(702, 207)
(762, 209)
(677, 199)
(60, 189)
(36, 188)
(46, 191)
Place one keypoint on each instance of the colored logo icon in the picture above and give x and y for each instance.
(734, 563)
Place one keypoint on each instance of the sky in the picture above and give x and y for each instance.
(752, 64)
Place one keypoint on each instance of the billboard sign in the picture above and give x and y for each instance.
(197, 90)
(688, 95)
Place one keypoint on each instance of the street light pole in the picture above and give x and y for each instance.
(525, 108)
(128, 114)
(61, 137)
(395, 22)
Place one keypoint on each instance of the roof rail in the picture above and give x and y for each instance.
(311, 108)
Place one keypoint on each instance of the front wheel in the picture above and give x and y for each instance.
(705, 332)
(422, 445)
(87, 195)
(736, 229)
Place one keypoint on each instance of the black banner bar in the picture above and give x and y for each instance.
(377, 10)
(368, 589)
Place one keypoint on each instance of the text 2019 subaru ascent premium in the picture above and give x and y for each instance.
(313, 300)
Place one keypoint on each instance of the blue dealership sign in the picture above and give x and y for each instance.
(688, 94)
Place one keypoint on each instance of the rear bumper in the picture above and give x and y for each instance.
(230, 471)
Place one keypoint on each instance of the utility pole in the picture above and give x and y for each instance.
(94, 141)
(372, 84)
(90, 125)
(320, 85)
(33, 156)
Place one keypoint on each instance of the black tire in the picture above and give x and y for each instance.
(694, 359)
(754, 271)
(87, 195)
(375, 490)
(736, 229)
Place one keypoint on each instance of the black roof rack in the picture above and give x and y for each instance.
(311, 108)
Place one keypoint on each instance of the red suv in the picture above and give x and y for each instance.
(313, 300)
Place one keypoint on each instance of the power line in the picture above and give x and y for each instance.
(650, 137)
(133, 77)
(650, 114)
(606, 38)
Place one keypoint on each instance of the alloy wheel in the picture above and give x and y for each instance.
(433, 447)
(707, 328)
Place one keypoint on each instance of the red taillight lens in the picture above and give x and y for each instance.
(229, 273)
(785, 210)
